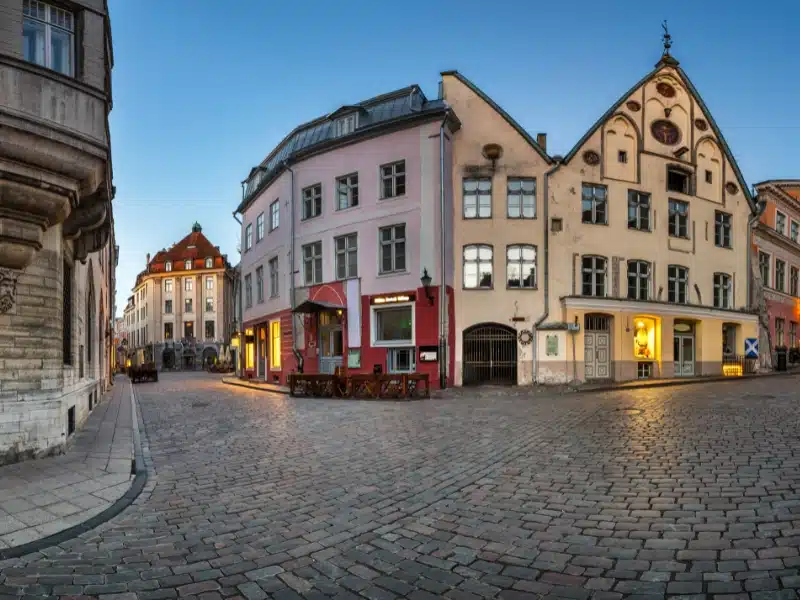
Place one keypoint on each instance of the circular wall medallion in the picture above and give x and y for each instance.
(665, 90)
(592, 158)
(525, 337)
(700, 124)
(633, 106)
(666, 132)
(731, 187)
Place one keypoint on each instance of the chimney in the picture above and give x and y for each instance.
(148, 258)
(541, 139)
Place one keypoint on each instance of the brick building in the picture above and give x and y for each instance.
(57, 255)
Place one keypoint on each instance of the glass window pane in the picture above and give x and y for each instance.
(61, 51)
(470, 185)
(394, 324)
(514, 185)
(485, 253)
(33, 41)
(400, 256)
(513, 252)
(470, 275)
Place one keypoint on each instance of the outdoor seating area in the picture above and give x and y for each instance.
(405, 386)
(144, 372)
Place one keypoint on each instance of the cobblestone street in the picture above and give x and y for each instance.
(685, 491)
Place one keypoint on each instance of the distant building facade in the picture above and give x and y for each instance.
(341, 243)
(57, 254)
(776, 261)
(181, 312)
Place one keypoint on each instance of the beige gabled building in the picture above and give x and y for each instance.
(632, 259)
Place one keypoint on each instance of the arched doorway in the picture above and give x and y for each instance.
(168, 358)
(489, 354)
(597, 346)
(188, 359)
(209, 357)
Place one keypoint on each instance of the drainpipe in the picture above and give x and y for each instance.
(237, 288)
(297, 356)
(761, 206)
(443, 303)
(546, 279)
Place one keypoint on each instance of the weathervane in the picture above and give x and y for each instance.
(667, 38)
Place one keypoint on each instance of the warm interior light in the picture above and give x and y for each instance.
(732, 370)
(640, 324)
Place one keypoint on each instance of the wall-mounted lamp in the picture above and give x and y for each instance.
(426, 283)
(492, 152)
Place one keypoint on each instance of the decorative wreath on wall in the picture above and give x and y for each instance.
(591, 158)
(525, 337)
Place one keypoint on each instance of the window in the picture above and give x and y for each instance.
(168, 266)
(248, 237)
(677, 284)
(188, 284)
(723, 291)
(393, 179)
(793, 282)
(274, 215)
(209, 283)
(188, 329)
(764, 267)
(793, 334)
(521, 266)
(168, 286)
(521, 198)
(260, 227)
(477, 198)
(622, 156)
(638, 210)
(478, 266)
(273, 277)
(209, 330)
(248, 291)
(593, 270)
(312, 201)
(401, 360)
(260, 285)
(728, 339)
(638, 280)
(709, 176)
(393, 249)
(168, 307)
(780, 222)
(780, 275)
(346, 256)
(168, 331)
(556, 224)
(780, 327)
(679, 219)
(48, 37)
(66, 314)
(347, 191)
(187, 305)
(346, 125)
(312, 263)
(275, 344)
(795, 231)
(594, 204)
(722, 229)
(209, 304)
(677, 180)
(187, 264)
(644, 370)
(393, 326)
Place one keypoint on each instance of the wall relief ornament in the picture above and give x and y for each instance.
(525, 337)
(701, 124)
(8, 288)
(633, 106)
(731, 188)
(591, 158)
(665, 90)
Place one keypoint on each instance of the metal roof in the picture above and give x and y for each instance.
(380, 110)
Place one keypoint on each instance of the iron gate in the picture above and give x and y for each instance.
(489, 354)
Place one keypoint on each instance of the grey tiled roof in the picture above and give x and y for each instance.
(376, 111)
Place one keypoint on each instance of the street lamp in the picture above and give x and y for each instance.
(426, 283)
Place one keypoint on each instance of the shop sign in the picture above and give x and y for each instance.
(393, 299)
(428, 354)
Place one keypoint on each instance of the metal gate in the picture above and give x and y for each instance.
(489, 354)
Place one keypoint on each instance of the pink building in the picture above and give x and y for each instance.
(341, 243)
(776, 248)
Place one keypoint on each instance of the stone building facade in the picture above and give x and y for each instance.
(181, 312)
(57, 249)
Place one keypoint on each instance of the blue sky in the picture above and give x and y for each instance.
(203, 89)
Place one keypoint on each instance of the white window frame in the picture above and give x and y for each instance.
(312, 197)
(187, 264)
(188, 305)
(206, 308)
(260, 227)
(274, 277)
(391, 352)
(392, 246)
(349, 188)
(312, 262)
(595, 272)
(345, 255)
(274, 215)
(209, 283)
(373, 322)
(723, 229)
(168, 286)
(209, 263)
(260, 284)
(188, 284)
(475, 197)
(780, 278)
(678, 280)
(392, 179)
(794, 231)
(346, 125)
(49, 22)
(520, 194)
(638, 276)
(676, 218)
(248, 237)
(723, 290)
(778, 215)
(168, 266)
(248, 291)
(768, 265)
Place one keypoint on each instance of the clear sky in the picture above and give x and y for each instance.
(204, 89)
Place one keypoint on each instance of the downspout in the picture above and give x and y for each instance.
(546, 279)
(443, 300)
(237, 288)
(760, 208)
(297, 356)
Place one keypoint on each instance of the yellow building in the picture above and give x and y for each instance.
(633, 260)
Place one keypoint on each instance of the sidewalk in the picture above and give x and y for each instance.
(40, 498)
(255, 385)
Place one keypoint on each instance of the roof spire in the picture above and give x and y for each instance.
(196, 227)
(666, 39)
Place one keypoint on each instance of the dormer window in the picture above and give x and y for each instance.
(168, 265)
(209, 263)
(187, 264)
(677, 180)
(346, 125)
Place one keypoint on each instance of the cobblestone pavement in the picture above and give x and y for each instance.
(684, 491)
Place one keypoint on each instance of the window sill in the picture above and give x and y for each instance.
(395, 344)
(311, 218)
(390, 198)
(723, 247)
(593, 223)
(465, 218)
(679, 237)
(392, 274)
(510, 218)
(522, 289)
(477, 289)
(347, 208)
(639, 229)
